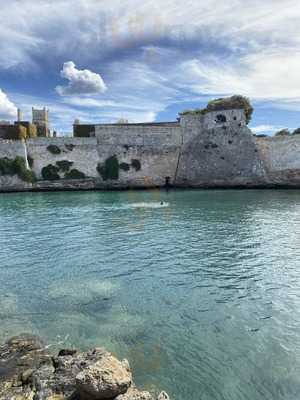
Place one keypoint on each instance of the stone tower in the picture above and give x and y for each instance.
(40, 118)
(20, 115)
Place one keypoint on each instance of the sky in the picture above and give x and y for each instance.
(102, 60)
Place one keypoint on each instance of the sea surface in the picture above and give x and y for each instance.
(200, 290)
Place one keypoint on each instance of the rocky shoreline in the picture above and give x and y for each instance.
(29, 372)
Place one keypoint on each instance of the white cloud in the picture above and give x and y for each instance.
(155, 53)
(7, 107)
(271, 74)
(266, 129)
(80, 81)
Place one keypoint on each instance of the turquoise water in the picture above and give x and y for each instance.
(200, 293)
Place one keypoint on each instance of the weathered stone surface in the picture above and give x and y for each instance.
(135, 394)
(29, 372)
(212, 150)
(19, 356)
(105, 379)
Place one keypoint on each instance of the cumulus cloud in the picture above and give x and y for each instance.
(80, 81)
(7, 107)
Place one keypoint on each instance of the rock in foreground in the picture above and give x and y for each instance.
(29, 372)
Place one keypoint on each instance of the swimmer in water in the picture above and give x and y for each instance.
(161, 203)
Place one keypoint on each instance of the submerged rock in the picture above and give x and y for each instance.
(29, 372)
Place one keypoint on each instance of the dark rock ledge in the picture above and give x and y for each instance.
(29, 372)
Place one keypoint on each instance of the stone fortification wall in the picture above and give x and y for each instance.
(137, 156)
(214, 149)
(82, 152)
(281, 158)
(218, 150)
(167, 134)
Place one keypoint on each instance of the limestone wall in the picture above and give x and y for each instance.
(81, 151)
(218, 150)
(281, 158)
(211, 150)
(139, 156)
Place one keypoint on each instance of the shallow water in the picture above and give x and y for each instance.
(200, 293)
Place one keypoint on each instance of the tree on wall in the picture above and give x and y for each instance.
(226, 103)
(283, 132)
(233, 102)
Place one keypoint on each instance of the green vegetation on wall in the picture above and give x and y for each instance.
(69, 146)
(227, 103)
(17, 167)
(124, 166)
(136, 164)
(283, 132)
(296, 131)
(53, 149)
(74, 174)
(50, 173)
(64, 165)
(110, 169)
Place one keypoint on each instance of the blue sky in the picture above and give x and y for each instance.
(100, 60)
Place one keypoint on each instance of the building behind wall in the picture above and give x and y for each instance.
(40, 118)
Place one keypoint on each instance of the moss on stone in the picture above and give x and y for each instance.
(50, 173)
(124, 166)
(53, 149)
(74, 174)
(136, 164)
(64, 165)
(69, 146)
(110, 169)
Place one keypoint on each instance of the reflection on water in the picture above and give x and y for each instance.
(198, 289)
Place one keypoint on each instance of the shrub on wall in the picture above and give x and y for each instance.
(17, 167)
(282, 132)
(233, 102)
(226, 103)
(74, 174)
(50, 173)
(6, 166)
(110, 169)
(136, 164)
(64, 165)
(296, 131)
(53, 149)
(69, 146)
(124, 166)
